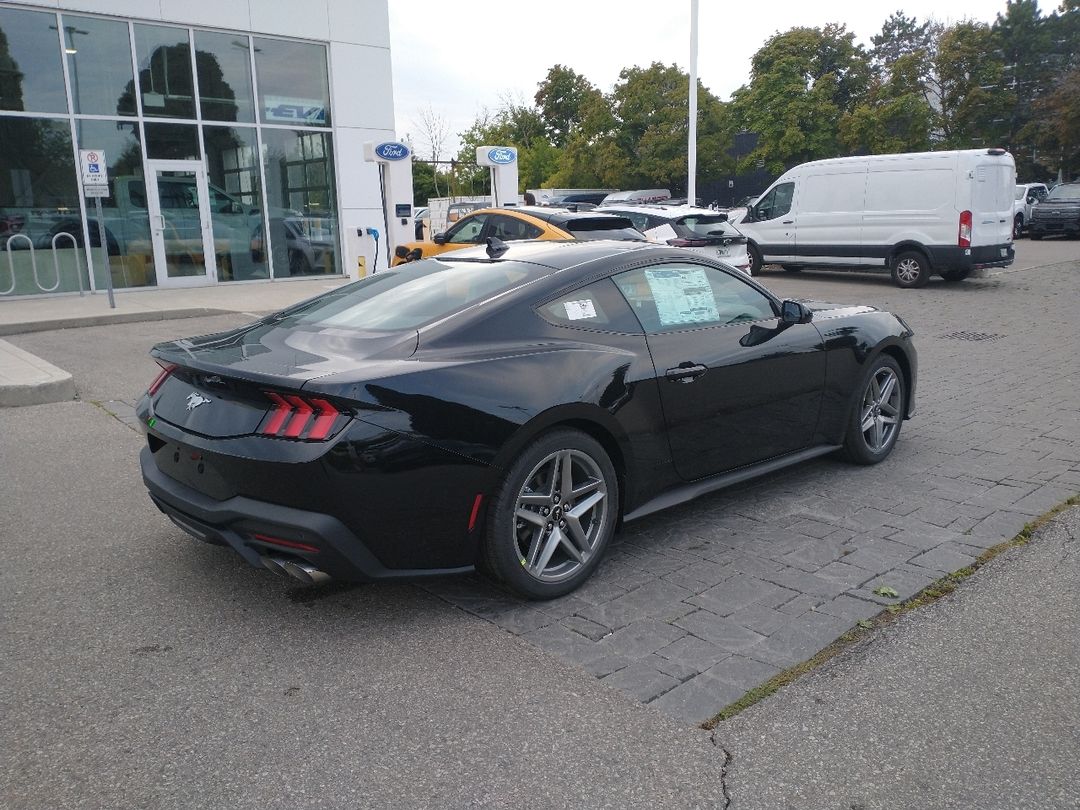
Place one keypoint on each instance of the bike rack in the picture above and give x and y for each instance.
(11, 260)
(56, 264)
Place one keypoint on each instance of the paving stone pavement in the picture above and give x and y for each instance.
(698, 604)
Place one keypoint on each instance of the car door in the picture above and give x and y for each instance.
(737, 385)
(774, 223)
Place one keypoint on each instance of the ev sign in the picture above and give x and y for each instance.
(95, 172)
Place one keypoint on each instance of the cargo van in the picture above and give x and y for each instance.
(915, 215)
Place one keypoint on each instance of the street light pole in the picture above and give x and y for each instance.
(691, 154)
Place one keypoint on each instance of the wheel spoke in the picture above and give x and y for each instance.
(867, 421)
(534, 500)
(590, 486)
(889, 409)
(581, 507)
(554, 540)
(566, 484)
(875, 390)
(531, 516)
(875, 434)
(886, 390)
(571, 548)
(577, 535)
(887, 420)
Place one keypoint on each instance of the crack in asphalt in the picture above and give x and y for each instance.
(723, 769)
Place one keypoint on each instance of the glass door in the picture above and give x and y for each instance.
(180, 228)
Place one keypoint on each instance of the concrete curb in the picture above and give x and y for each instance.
(107, 318)
(29, 380)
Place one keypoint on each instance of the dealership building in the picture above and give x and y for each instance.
(232, 134)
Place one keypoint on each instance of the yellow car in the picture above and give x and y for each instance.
(522, 222)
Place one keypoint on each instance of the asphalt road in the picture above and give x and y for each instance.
(972, 702)
(143, 669)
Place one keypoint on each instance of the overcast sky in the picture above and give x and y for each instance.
(458, 56)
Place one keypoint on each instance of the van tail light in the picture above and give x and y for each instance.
(159, 380)
(688, 242)
(295, 417)
(963, 238)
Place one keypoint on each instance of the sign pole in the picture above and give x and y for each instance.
(104, 251)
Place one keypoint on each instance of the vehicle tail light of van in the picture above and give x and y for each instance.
(963, 238)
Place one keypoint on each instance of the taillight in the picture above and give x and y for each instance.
(688, 242)
(296, 417)
(963, 238)
(159, 380)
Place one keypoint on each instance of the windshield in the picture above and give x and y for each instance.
(705, 225)
(1020, 192)
(412, 295)
(1071, 191)
(606, 227)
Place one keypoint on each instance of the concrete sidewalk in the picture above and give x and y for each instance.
(28, 380)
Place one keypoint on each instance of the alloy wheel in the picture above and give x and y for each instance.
(908, 270)
(561, 515)
(880, 414)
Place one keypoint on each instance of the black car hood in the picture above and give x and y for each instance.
(289, 355)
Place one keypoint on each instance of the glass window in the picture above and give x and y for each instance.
(467, 231)
(127, 222)
(236, 205)
(31, 74)
(172, 141)
(705, 225)
(293, 83)
(39, 201)
(300, 201)
(776, 203)
(223, 62)
(164, 56)
(602, 227)
(510, 228)
(597, 306)
(671, 297)
(99, 65)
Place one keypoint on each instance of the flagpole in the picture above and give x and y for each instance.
(691, 158)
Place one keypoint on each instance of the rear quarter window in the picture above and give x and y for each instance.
(597, 306)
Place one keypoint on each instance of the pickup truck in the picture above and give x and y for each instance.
(1027, 195)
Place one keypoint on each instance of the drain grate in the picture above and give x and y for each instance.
(972, 336)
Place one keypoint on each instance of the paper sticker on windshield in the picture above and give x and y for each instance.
(579, 310)
(683, 295)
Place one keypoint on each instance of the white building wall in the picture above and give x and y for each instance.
(361, 83)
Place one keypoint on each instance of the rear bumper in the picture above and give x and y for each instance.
(973, 258)
(236, 521)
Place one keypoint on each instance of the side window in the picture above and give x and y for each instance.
(641, 221)
(510, 228)
(674, 297)
(777, 202)
(467, 230)
(597, 306)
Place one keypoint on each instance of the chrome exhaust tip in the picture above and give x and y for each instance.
(276, 565)
(305, 572)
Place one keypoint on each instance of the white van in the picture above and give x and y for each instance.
(914, 214)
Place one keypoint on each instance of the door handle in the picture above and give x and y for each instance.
(161, 221)
(685, 372)
(789, 222)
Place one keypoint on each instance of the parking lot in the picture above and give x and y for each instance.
(149, 670)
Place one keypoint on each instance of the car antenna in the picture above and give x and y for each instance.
(496, 247)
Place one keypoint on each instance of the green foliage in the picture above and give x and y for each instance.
(974, 103)
(563, 99)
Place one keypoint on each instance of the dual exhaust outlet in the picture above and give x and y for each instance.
(299, 570)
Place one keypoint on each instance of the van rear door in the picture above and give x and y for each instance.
(993, 189)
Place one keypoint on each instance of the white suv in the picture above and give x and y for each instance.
(700, 230)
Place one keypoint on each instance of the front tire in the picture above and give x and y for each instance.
(755, 258)
(1018, 226)
(875, 420)
(554, 516)
(910, 269)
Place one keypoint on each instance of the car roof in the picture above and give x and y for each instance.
(559, 254)
(554, 216)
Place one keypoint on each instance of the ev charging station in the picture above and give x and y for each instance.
(394, 160)
(503, 167)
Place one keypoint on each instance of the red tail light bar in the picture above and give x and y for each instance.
(688, 242)
(159, 380)
(295, 417)
(963, 235)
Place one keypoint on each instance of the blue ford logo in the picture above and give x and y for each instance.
(392, 151)
(502, 155)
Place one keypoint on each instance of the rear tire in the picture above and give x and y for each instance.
(910, 269)
(877, 413)
(755, 258)
(554, 515)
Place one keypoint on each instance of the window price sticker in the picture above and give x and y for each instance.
(580, 310)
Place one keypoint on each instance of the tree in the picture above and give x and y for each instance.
(514, 124)
(801, 83)
(973, 103)
(563, 98)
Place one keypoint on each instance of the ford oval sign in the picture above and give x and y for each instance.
(502, 156)
(392, 150)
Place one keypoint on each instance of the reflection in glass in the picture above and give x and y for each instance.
(127, 223)
(39, 199)
(300, 201)
(181, 223)
(172, 141)
(31, 74)
(235, 202)
(293, 84)
(165, 71)
(99, 65)
(224, 65)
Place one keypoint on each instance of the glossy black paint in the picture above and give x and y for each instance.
(434, 416)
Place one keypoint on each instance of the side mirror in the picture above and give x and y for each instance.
(439, 239)
(792, 312)
(1032, 199)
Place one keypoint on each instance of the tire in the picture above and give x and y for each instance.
(870, 435)
(956, 275)
(910, 269)
(1018, 226)
(755, 258)
(573, 541)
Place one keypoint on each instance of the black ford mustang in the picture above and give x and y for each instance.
(507, 408)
